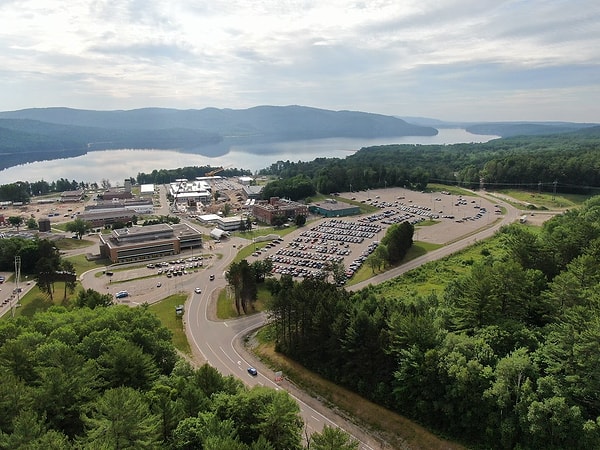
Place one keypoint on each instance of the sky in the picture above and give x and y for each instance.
(454, 60)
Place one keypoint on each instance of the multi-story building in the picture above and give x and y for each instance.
(265, 211)
(149, 242)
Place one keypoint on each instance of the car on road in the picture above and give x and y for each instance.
(252, 371)
(122, 294)
(198, 291)
(159, 284)
(212, 277)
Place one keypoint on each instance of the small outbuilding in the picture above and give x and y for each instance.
(333, 208)
(217, 233)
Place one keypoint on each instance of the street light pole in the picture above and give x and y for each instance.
(17, 277)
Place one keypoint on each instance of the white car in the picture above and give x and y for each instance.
(198, 291)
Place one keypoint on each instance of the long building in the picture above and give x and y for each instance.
(149, 242)
(276, 207)
(185, 191)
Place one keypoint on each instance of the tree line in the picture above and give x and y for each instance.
(94, 376)
(506, 356)
(564, 162)
(162, 176)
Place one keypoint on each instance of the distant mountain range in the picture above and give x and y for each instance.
(49, 133)
(504, 129)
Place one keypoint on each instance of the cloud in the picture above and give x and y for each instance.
(393, 57)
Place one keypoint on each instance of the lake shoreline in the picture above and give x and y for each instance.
(117, 165)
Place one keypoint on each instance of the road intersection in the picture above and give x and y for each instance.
(220, 343)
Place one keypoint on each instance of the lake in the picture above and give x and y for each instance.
(116, 165)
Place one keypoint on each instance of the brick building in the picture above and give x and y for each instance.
(265, 211)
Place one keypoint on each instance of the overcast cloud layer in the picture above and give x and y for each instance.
(472, 60)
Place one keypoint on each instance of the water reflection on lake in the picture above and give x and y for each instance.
(116, 165)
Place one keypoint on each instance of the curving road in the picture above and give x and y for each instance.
(219, 343)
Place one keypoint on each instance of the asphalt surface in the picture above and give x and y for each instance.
(220, 343)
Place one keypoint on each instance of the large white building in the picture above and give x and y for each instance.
(184, 190)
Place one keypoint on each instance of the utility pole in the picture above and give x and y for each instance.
(17, 289)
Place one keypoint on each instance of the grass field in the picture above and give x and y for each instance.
(165, 311)
(418, 249)
(434, 276)
(35, 300)
(82, 265)
(454, 190)
(226, 307)
(68, 243)
(545, 200)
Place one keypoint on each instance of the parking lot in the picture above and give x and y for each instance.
(438, 218)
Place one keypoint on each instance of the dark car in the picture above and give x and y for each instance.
(252, 371)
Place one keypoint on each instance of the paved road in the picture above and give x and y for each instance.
(511, 216)
(220, 342)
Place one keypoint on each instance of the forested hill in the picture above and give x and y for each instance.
(208, 131)
(566, 161)
(509, 129)
(281, 122)
(500, 349)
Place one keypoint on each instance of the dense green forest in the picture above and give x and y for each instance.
(109, 378)
(506, 356)
(562, 163)
(569, 163)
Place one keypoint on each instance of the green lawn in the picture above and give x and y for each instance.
(454, 190)
(418, 249)
(434, 276)
(68, 243)
(82, 265)
(226, 308)
(165, 311)
(36, 300)
(546, 200)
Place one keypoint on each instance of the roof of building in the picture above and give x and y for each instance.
(218, 233)
(334, 206)
(149, 230)
(193, 194)
(184, 229)
(236, 219)
(208, 217)
(282, 205)
(77, 193)
(106, 213)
